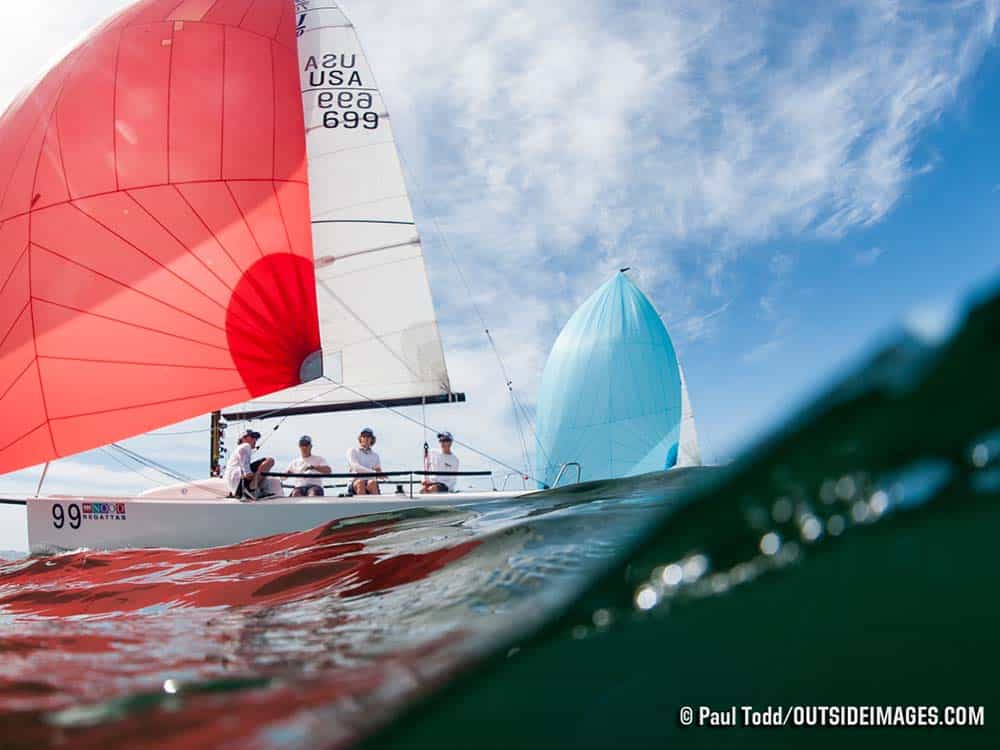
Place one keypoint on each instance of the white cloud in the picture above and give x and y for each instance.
(697, 327)
(769, 306)
(558, 141)
(36, 36)
(761, 352)
(868, 257)
(782, 264)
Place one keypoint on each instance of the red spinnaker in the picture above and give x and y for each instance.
(155, 242)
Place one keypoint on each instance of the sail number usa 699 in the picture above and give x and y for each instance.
(348, 109)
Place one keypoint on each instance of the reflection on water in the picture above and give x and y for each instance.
(351, 619)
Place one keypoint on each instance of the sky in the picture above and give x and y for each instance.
(790, 185)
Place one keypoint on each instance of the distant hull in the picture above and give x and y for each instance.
(57, 524)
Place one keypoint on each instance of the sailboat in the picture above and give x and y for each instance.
(613, 398)
(202, 210)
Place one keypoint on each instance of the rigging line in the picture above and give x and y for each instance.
(281, 421)
(444, 239)
(150, 463)
(454, 260)
(155, 466)
(408, 418)
(534, 433)
(279, 410)
(468, 290)
(358, 319)
(461, 273)
(131, 469)
(146, 465)
(175, 434)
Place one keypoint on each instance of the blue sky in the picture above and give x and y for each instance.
(789, 185)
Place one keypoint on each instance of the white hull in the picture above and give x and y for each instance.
(103, 523)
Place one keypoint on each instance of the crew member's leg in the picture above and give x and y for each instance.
(373, 487)
(263, 466)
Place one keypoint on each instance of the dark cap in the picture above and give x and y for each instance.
(367, 431)
(251, 433)
(305, 440)
(445, 435)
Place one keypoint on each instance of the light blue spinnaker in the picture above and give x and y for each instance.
(611, 390)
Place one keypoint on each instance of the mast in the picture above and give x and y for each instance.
(215, 449)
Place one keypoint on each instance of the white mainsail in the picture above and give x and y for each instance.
(688, 453)
(377, 325)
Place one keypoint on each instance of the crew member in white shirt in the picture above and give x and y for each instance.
(364, 460)
(245, 477)
(307, 463)
(443, 460)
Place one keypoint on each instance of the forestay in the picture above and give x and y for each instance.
(379, 333)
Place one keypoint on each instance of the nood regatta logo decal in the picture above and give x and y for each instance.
(104, 511)
(74, 514)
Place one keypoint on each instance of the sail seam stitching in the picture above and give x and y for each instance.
(155, 260)
(194, 255)
(274, 114)
(104, 193)
(114, 111)
(125, 286)
(129, 407)
(137, 364)
(191, 252)
(239, 267)
(53, 116)
(20, 314)
(131, 324)
(13, 268)
(360, 320)
(15, 381)
(222, 106)
(288, 239)
(243, 218)
(26, 434)
(170, 84)
(281, 291)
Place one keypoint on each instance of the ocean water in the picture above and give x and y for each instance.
(847, 559)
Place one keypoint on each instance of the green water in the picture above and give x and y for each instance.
(850, 559)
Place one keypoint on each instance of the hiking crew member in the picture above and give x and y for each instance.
(363, 460)
(307, 463)
(243, 476)
(442, 460)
